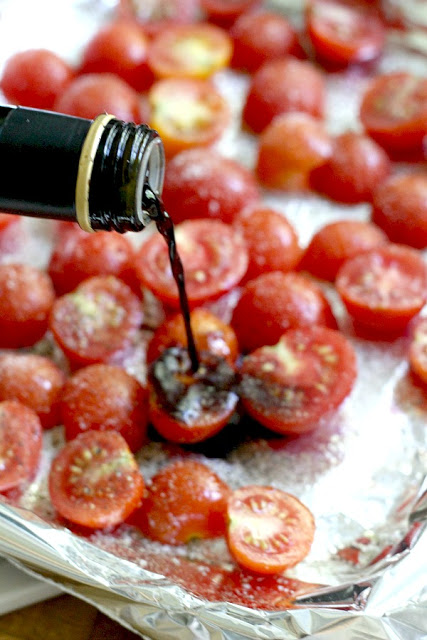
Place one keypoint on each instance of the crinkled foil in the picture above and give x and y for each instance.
(361, 473)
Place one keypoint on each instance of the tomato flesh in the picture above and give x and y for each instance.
(418, 350)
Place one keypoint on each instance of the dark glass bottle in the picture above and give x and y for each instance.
(99, 173)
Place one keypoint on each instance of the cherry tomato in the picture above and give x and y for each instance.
(94, 321)
(189, 51)
(210, 334)
(355, 168)
(187, 113)
(6, 219)
(93, 93)
(185, 500)
(103, 397)
(225, 12)
(32, 380)
(94, 481)
(384, 288)
(418, 350)
(201, 183)
(341, 34)
(10, 234)
(213, 254)
(35, 78)
(268, 530)
(190, 406)
(119, 48)
(289, 386)
(158, 14)
(261, 36)
(276, 302)
(271, 240)
(26, 298)
(336, 242)
(400, 209)
(281, 86)
(394, 111)
(20, 444)
(289, 148)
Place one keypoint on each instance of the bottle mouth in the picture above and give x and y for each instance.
(151, 173)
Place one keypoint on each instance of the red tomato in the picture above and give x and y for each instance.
(210, 334)
(289, 148)
(186, 500)
(20, 444)
(158, 14)
(225, 12)
(355, 168)
(94, 481)
(35, 78)
(190, 406)
(6, 219)
(32, 380)
(418, 350)
(271, 240)
(342, 34)
(384, 288)
(213, 254)
(201, 183)
(400, 209)
(93, 93)
(288, 387)
(187, 113)
(26, 298)
(119, 48)
(335, 243)
(261, 36)
(268, 530)
(103, 397)
(189, 51)
(394, 111)
(96, 320)
(276, 302)
(280, 86)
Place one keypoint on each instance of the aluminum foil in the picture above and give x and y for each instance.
(362, 473)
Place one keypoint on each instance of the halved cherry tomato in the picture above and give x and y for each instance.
(186, 500)
(418, 350)
(210, 334)
(189, 406)
(32, 380)
(35, 78)
(384, 288)
(189, 51)
(335, 243)
(394, 111)
(289, 386)
(213, 254)
(289, 148)
(26, 298)
(281, 86)
(225, 12)
(103, 397)
(187, 113)
(355, 168)
(94, 481)
(201, 183)
(400, 209)
(268, 530)
(94, 321)
(343, 34)
(20, 444)
(276, 302)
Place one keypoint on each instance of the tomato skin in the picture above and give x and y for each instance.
(276, 302)
(104, 397)
(289, 386)
(20, 444)
(418, 350)
(400, 209)
(34, 78)
(6, 219)
(94, 481)
(26, 298)
(281, 86)
(224, 12)
(269, 530)
(384, 288)
(185, 500)
(335, 243)
(201, 183)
